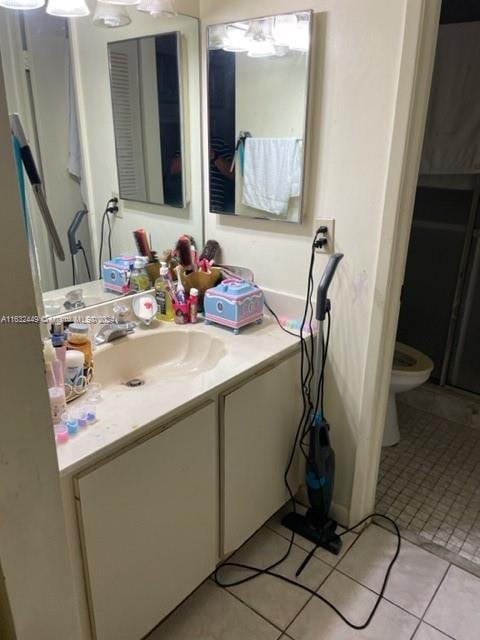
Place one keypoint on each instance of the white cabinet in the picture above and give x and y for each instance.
(150, 523)
(259, 424)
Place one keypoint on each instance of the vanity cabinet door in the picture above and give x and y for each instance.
(260, 421)
(150, 526)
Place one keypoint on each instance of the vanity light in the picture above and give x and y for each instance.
(68, 8)
(157, 8)
(259, 49)
(300, 40)
(109, 15)
(236, 40)
(217, 36)
(284, 27)
(123, 2)
(22, 4)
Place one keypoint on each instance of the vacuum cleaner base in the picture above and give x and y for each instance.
(324, 536)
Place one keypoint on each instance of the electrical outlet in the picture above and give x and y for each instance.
(329, 235)
(119, 213)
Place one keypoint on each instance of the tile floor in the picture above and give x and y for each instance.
(427, 598)
(430, 484)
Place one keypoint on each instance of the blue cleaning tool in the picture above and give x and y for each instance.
(316, 525)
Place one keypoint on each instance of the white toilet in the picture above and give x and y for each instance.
(411, 368)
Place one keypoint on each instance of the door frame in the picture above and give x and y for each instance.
(422, 19)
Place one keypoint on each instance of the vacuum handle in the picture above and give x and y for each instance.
(72, 231)
(325, 282)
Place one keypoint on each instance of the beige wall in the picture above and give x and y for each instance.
(33, 548)
(89, 44)
(355, 79)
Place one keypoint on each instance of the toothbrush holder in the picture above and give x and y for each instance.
(181, 312)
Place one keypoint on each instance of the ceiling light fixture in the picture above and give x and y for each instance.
(68, 8)
(22, 4)
(157, 8)
(109, 15)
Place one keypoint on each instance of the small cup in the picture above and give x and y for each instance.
(182, 312)
(61, 433)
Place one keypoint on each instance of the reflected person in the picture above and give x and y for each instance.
(222, 177)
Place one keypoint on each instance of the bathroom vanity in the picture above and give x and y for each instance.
(160, 489)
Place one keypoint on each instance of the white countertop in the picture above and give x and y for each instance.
(126, 414)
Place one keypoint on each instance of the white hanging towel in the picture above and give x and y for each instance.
(272, 173)
(452, 135)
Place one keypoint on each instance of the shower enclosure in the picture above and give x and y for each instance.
(440, 310)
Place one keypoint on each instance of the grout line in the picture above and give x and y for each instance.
(257, 613)
(435, 593)
(310, 598)
(415, 630)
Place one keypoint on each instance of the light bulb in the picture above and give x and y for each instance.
(109, 15)
(158, 8)
(68, 8)
(284, 27)
(22, 4)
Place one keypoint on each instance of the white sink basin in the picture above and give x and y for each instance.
(153, 356)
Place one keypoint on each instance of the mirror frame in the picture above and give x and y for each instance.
(305, 119)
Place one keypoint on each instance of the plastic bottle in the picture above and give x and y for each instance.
(162, 294)
(139, 280)
(193, 305)
(74, 366)
(58, 341)
(78, 339)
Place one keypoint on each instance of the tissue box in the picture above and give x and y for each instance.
(116, 274)
(233, 303)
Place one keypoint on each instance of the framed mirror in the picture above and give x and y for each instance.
(258, 81)
(146, 88)
(57, 75)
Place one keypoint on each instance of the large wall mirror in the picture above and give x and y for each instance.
(258, 79)
(146, 88)
(110, 105)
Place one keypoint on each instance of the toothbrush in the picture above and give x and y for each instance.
(180, 294)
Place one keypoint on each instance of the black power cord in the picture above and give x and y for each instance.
(111, 208)
(305, 424)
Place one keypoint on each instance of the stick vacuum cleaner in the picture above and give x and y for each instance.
(316, 525)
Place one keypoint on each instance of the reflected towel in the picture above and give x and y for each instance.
(272, 173)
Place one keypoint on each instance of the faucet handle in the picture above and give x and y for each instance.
(120, 313)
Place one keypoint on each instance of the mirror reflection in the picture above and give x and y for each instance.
(146, 102)
(258, 72)
(64, 86)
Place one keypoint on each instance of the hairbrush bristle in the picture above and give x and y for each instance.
(183, 250)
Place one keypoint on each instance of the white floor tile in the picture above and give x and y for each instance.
(317, 621)
(456, 606)
(274, 599)
(211, 613)
(276, 525)
(435, 468)
(426, 632)
(414, 577)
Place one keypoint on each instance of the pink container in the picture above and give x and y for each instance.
(182, 312)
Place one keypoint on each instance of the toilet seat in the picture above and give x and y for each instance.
(409, 361)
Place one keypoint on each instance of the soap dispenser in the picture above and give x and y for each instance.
(139, 280)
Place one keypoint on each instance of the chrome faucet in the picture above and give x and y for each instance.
(119, 328)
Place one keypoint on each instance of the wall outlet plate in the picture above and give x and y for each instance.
(119, 213)
(329, 235)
